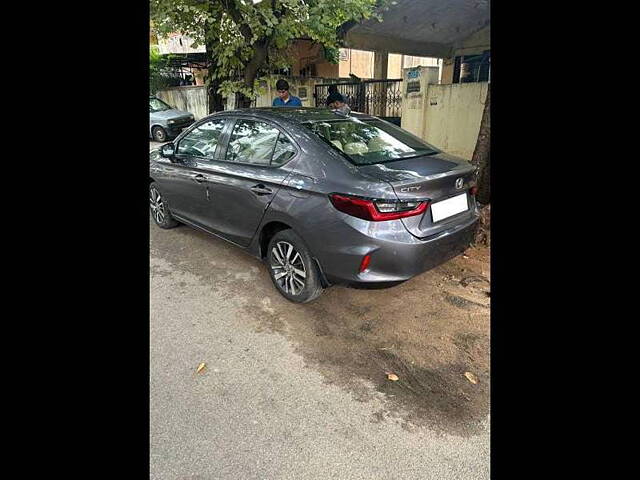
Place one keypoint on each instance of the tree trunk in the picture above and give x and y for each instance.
(212, 84)
(251, 70)
(482, 153)
(215, 100)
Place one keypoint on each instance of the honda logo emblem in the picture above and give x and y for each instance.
(459, 183)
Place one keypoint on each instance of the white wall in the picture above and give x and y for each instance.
(415, 85)
(453, 116)
(190, 98)
(447, 116)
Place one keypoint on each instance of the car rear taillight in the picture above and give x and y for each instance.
(473, 190)
(377, 210)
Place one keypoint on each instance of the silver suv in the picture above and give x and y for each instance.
(166, 122)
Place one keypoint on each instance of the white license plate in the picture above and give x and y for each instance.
(449, 207)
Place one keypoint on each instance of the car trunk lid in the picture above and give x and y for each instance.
(435, 178)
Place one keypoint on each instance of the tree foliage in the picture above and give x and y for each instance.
(245, 38)
(157, 68)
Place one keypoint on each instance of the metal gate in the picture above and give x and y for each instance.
(382, 98)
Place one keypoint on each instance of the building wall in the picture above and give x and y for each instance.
(453, 115)
(472, 45)
(394, 67)
(415, 84)
(398, 61)
(361, 63)
(447, 116)
(358, 62)
(304, 53)
(328, 70)
(297, 86)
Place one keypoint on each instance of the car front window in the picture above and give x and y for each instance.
(157, 105)
(202, 140)
(367, 142)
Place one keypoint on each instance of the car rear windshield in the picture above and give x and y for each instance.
(157, 105)
(366, 142)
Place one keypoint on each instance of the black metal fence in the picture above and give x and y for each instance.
(382, 98)
(180, 67)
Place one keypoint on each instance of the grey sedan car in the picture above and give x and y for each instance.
(320, 197)
(166, 122)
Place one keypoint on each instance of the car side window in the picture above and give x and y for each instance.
(202, 140)
(283, 152)
(252, 142)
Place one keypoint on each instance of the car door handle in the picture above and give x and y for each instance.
(260, 189)
(200, 178)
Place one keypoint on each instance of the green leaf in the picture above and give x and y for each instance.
(230, 51)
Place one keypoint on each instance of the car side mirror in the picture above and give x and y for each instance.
(167, 150)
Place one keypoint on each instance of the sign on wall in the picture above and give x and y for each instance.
(413, 86)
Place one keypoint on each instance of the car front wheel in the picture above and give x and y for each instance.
(159, 208)
(293, 271)
(159, 134)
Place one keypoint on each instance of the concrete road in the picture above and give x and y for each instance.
(281, 397)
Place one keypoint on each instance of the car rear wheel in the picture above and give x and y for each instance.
(293, 271)
(159, 208)
(159, 134)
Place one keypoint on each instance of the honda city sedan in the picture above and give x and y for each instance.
(320, 197)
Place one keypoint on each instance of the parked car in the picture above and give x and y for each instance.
(166, 122)
(322, 198)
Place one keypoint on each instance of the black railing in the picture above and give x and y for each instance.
(382, 98)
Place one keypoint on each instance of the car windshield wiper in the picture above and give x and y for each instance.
(428, 152)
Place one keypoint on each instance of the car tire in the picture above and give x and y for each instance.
(159, 134)
(159, 208)
(292, 269)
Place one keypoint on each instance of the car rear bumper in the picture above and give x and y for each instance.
(396, 255)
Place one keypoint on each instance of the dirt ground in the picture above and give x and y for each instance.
(428, 331)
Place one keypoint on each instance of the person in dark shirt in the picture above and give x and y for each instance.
(284, 99)
(332, 90)
(337, 102)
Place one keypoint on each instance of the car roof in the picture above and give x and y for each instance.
(298, 114)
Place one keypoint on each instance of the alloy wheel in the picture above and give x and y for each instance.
(157, 205)
(288, 268)
(159, 134)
